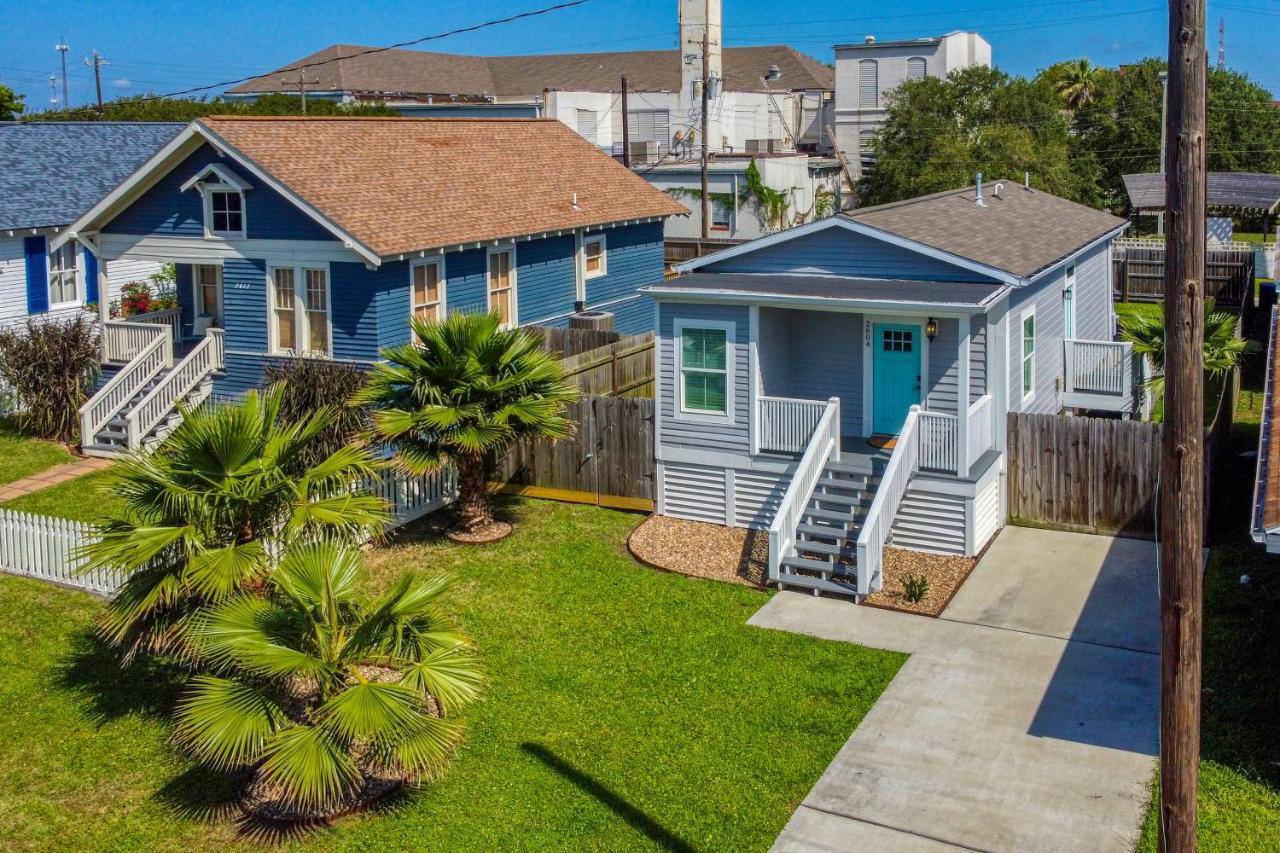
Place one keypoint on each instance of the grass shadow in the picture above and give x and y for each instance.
(93, 671)
(638, 819)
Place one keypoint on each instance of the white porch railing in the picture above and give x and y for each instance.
(124, 386)
(219, 347)
(784, 425)
(123, 340)
(939, 440)
(171, 317)
(982, 430)
(1098, 367)
(893, 486)
(160, 401)
(823, 446)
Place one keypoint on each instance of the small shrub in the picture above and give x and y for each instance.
(157, 293)
(313, 383)
(50, 365)
(915, 587)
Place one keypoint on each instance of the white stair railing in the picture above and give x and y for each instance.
(124, 386)
(893, 486)
(123, 340)
(162, 399)
(823, 446)
(982, 430)
(939, 442)
(219, 347)
(171, 317)
(785, 424)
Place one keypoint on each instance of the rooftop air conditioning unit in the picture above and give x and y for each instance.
(765, 146)
(644, 152)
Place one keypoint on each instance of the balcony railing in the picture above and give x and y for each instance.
(784, 425)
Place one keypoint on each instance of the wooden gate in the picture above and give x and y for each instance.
(608, 462)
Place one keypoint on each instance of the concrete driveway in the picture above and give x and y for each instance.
(1025, 719)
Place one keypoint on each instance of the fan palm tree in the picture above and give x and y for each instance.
(464, 389)
(1076, 83)
(321, 696)
(1223, 348)
(203, 507)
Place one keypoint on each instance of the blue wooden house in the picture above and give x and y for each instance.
(51, 173)
(845, 384)
(322, 238)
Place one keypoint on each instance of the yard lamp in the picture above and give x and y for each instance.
(931, 328)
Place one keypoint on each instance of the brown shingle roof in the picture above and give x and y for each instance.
(418, 72)
(400, 184)
(1020, 232)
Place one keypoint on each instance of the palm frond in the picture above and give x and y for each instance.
(309, 766)
(226, 723)
(371, 711)
(453, 676)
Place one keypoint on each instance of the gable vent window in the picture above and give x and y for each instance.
(868, 83)
(916, 69)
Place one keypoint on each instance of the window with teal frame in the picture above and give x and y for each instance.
(1028, 355)
(704, 370)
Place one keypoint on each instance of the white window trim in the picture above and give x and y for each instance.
(1022, 348)
(604, 256)
(444, 285)
(911, 59)
(206, 193)
(77, 288)
(300, 311)
(875, 98)
(1069, 286)
(730, 329)
(195, 290)
(515, 296)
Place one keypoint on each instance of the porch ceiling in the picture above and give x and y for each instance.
(933, 294)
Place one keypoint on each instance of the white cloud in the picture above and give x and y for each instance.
(122, 83)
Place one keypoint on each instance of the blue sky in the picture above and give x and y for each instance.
(162, 46)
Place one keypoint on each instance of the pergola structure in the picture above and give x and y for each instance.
(1226, 194)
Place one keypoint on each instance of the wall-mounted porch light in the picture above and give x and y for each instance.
(931, 328)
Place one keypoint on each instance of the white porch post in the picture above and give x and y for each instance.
(104, 307)
(962, 409)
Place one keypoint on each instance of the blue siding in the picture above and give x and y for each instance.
(392, 304)
(37, 259)
(546, 279)
(165, 209)
(633, 259)
(354, 315)
(465, 288)
(837, 251)
(633, 316)
(730, 438)
(244, 300)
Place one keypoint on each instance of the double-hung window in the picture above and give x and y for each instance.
(63, 275)
(594, 262)
(225, 214)
(426, 291)
(208, 280)
(502, 285)
(705, 382)
(1028, 354)
(300, 311)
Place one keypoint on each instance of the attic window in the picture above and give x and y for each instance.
(225, 213)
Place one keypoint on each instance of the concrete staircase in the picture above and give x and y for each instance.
(824, 558)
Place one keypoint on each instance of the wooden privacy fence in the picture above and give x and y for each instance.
(1139, 272)
(1091, 474)
(621, 369)
(567, 342)
(44, 547)
(608, 462)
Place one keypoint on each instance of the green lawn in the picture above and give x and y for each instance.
(628, 709)
(1240, 767)
(21, 456)
(85, 498)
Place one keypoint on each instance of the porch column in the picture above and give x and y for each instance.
(104, 307)
(962, 407)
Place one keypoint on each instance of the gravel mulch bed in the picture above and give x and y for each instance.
(495, 531)
(945, 575)
(702, 550)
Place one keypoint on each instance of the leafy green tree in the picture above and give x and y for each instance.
(1223, 348)
(151, 108)
(463, 390)
(1243, 125)
(940, 131)
(204, 510)
(11, 104)
(1076, 82)
(317, 693)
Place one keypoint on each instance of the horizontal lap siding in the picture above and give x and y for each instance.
(633, 259)
(733, 438)
(826, 361)
(1046, 295)
(546, 279)
(1093, 296)
(836, 251)
(354, 290)
(756, 497)
(773, 348)
(391, 304)
(244, 305)
(633, 315)
(13, 280)
(166, 210)
(466, 289)
(944, 368)
(977, 357)
(695, 492)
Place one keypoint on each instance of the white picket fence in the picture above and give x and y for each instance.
(45, 547)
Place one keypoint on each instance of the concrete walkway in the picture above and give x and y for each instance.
(1025, 719)
(52, 476)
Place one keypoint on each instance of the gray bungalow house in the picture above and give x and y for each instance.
(845, 383)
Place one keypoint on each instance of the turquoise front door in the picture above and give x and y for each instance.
(895, 376)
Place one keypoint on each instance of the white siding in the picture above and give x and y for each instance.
(929, 522)
(986, 513)
(694, 492)
(13, 279)
(756, 495)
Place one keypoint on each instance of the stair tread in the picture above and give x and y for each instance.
(806, 563)
(828, 497)
(821, 530)
(829, 514)
(823, 548)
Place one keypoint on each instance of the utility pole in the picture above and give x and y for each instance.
(706, 123)
(626, 129)
(97, 62)
(1181, 502)
(1164, 136)
(62, 47)
(1222, 44)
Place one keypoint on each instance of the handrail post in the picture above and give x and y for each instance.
(834, 402)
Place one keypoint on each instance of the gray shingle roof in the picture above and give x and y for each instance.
(1020, 232)
(420, 72)
(938, 293)
(53, 172)
(1223, 190)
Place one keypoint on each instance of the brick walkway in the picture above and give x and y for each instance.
(51, 477)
